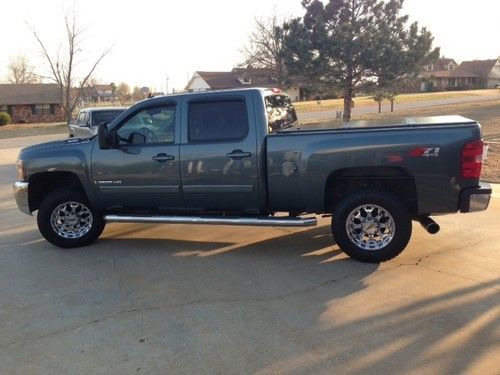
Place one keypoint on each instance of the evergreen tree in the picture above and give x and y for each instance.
(355, 45)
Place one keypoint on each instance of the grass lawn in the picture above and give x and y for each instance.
(337, 104)
(27, 130)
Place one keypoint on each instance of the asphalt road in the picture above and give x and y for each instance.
(181, 299)
(363, 110)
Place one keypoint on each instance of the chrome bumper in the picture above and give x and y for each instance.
(21, 195)
(475, 199)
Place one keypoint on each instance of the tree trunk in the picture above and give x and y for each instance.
(380, 106)
(67, 106)
(392, 105)
(347, 104)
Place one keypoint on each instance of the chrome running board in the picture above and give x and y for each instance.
(266, 221)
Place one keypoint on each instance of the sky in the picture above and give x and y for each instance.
(155, 39)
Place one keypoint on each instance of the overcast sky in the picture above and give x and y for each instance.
(155, 38)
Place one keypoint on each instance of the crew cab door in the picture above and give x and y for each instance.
(141, 172)
(218, 154)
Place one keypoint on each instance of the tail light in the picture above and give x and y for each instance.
(472, 159)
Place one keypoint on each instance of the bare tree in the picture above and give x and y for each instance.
(265, 47)
(123, 93)
(137, 95)
(62, 68)
(20, 71)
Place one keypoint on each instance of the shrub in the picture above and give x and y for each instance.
(4, 118)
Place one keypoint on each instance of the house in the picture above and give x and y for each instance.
(27, 103)
(445, 74)
(484, 74)
(238, 78)
(436, 75)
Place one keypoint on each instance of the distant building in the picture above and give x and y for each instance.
(446, 74)
(238, 78)
(28, 103)
(97, 93)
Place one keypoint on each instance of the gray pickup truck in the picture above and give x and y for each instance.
(240, 157)
(85, 125)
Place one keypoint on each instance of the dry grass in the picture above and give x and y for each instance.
(27, 130)
(363, 101)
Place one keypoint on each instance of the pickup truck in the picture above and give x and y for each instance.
(240, 157)
(85, 125)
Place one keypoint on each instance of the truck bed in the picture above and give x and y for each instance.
(408, 122)
(426, 150)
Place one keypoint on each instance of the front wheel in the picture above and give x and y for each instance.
(66, 219)
(371, 226)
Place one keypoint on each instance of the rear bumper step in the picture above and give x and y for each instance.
(266, 221)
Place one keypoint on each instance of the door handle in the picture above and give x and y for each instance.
(238, 154)
(162, 158)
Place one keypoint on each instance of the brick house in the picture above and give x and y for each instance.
(446, 74)
(238, 78)
(27, 103)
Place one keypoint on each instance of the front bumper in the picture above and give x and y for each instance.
(475, 199)
(21, 195)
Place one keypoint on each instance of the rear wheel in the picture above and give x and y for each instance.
(371, 226)
(66, 219)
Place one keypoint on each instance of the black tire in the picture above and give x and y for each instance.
(401, 223)
(54, 200)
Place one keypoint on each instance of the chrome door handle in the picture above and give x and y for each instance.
(238, 154)
(162, 158)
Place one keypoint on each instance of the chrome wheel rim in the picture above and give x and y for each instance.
(370, 227)
(71, 220)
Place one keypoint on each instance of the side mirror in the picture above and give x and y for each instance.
(136, 139)
(103, 136)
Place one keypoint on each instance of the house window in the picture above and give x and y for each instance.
(6, 108)
(42, 109)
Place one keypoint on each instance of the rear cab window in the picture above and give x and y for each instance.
(217, 120)
(280, 112)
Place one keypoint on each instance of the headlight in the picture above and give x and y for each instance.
(21, 173)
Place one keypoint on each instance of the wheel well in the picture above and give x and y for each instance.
(41, 184)
(394, 180)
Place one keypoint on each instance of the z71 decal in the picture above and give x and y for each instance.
(425, 152)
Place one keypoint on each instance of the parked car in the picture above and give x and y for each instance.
(86, 123)
(240, 157)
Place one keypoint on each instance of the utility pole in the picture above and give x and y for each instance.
(166, 79)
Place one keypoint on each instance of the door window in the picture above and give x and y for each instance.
(151, 125)
(81, 119)
(217, 121)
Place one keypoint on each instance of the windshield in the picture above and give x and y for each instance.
(105, 116)
(280, 112)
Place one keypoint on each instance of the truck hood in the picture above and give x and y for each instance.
(55, 144)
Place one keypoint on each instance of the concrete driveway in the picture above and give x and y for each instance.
(193, 300)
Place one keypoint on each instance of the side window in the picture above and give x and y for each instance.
(86, 122)
(151, 125)
(81, 119)
(217, 121)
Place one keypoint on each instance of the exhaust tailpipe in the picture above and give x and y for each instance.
(429, 225)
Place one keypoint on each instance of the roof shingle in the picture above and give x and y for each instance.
(41, 93)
